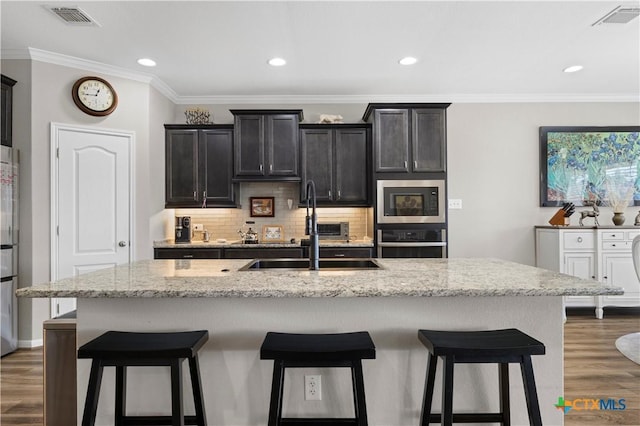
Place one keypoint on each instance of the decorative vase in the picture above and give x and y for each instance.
(618, 218)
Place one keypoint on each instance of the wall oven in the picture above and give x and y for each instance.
(412, 241)
(411, 201)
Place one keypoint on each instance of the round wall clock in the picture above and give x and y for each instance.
(94, 96)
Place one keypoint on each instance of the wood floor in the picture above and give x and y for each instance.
(593, 369)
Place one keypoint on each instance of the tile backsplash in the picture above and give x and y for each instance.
(225, 223)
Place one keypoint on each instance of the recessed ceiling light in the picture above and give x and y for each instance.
(277, 62)
(147, 62)
(573, 68)
(409, 60)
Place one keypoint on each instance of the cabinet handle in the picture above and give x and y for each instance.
(593, 277)
(405, 164)
(329, 193)
(270, 167)
(415, 164)
(613, 245)
(187, 256)
(195, 196)
(339, 255)
(260, 167)
(339, 194)
(579, 239)
(204, 199)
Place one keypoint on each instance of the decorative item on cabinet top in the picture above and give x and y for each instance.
(197, 115)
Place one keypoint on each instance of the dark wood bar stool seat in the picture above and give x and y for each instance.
(125, 349)
(317, 350)
(494, 346)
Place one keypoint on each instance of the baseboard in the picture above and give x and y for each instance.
(29, 343)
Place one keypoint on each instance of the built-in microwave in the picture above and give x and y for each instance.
(411, 201)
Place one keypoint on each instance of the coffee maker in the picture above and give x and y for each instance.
(183, 229)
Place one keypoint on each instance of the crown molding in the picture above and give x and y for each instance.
(426, 98)
(166, 90)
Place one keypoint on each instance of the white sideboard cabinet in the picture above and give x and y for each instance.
(602, 254)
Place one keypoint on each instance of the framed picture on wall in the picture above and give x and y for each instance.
(600, 164)
(272, 234)
(262, 206)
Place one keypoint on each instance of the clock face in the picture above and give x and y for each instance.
(94, 96)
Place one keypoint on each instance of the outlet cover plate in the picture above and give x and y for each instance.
(313, 388)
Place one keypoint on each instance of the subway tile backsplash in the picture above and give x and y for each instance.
(225, 223)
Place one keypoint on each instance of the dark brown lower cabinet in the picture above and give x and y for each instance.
(187, 253)
(263, 253)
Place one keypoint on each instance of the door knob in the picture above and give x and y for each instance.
(122, 243)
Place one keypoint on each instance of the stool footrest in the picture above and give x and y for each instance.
(321, 420)
(470, 418)
(155, 420)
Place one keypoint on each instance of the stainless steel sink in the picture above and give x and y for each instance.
(325, 264)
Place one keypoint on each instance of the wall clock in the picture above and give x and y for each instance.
(94, 96)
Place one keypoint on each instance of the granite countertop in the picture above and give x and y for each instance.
(238, 244)
(399, 277)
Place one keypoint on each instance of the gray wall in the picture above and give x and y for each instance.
(141, 109)
(492, 161)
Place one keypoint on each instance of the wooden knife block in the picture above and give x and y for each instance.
(558, 219)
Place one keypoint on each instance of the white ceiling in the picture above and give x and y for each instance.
(466, 50)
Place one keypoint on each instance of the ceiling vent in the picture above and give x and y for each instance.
(73, 15)
(619, 15)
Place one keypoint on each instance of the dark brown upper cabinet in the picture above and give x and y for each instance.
(337, 158)
(6, 111)
(199, 166)
(408, 138)
(266, 145)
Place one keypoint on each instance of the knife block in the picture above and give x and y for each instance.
(558, 219)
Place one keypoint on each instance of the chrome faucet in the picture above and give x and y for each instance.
(311, 228)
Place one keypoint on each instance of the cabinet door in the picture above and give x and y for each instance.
(428, 140)
(6, 111)
(281, 142)
(351, 166)
(181, 168)
(581, 265)
(391, 140)
(619, 272)
(317, 162)
(249, 145)
(216, 167)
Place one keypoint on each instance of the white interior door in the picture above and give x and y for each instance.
(92, 203)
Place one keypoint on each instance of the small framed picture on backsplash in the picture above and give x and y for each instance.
(272, 234)
(262, 206)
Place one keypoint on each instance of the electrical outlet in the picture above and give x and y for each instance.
(198, 227)
(313, 388)
(455, 203)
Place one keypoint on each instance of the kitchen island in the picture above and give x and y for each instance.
(239, 307)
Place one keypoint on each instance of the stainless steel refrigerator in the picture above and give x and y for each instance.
(9, 160)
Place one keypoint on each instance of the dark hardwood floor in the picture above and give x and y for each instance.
(593, 369)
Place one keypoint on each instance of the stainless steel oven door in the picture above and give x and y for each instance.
(411, 249)
(410, 201)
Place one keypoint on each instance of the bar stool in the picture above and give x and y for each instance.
(493, 346)
(317, 350)
(123, 349)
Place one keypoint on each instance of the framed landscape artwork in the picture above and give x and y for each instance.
(262, 206)
(599, 164)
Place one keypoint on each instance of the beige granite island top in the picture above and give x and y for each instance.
(399, 277)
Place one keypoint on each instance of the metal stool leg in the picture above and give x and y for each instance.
(277, 385)
(505, 407)
(430, 380)
(121, 395)
(177, 410)
(530, 391)
(196, 385)
(93, 393)
(359, 401)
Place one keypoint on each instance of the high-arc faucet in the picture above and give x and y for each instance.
(311, 228)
